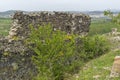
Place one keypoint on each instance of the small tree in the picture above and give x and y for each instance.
(115, 18)
(108, 13)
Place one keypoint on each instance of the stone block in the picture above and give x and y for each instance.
(115, 72)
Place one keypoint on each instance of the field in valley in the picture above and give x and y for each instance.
(102, 27)
(5, 24)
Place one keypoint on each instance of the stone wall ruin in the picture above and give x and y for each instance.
(71, 23)
(15, 57)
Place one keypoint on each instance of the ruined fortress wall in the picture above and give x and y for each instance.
(71, 23)
(15, 56)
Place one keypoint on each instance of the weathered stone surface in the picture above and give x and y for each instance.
(12, 65)
(115, 72)
(15, 57)
(71, 23)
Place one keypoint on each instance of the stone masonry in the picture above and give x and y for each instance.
(71, 23)
(15, 56)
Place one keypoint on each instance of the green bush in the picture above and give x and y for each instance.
(93, 47)
(53, 50)
(90, 47)
(57, 53)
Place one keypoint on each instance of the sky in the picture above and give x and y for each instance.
(59, 5)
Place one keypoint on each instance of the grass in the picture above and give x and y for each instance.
(5, 24)
(102, 28)
(99, 67)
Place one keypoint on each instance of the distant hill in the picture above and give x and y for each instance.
(8, 14)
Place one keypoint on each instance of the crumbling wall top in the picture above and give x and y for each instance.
(65, 21)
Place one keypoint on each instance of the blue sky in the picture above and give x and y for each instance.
(58, 5)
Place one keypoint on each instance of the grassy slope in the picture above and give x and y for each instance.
(4, 26)
(101, 28)
(99, 67)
